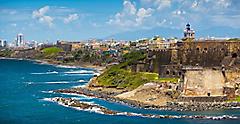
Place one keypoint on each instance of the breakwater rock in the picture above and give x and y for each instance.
(105, 96)
(69, 102)
(174, 106)
(201, 106)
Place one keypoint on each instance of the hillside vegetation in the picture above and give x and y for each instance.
(51, 51)
(119, 77)
(5, 53)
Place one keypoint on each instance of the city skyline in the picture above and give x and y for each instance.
(124, 19)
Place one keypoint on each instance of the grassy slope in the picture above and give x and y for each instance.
(51, 51)
(117, 76)
(237, 99)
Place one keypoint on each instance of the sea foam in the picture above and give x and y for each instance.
(41, 73)
(79, 72)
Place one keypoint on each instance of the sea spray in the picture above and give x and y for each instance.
(73, 103)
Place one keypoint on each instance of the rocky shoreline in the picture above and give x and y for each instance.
(202, 106)
(69, 102)
(173, 106)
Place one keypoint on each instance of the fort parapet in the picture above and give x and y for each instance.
(168, 62)
(205, 67)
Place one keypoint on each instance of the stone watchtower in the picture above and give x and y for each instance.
(188, 32)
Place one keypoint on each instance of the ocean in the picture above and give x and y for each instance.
(26, 86)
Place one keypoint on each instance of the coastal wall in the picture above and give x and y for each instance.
(203, 99)
(199, 53)
(207, 53)
(205, 82)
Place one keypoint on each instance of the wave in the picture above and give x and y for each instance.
(47, 91)
(80, 81)
(29, 83)
(79, 72)
(96, 74)
(57, 82)
(65, 82)
(81, 86)
(66, 66)
(51, 72)
(84, 106)
(81, 95)
(47, 99)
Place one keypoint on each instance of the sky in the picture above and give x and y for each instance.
(76, 20)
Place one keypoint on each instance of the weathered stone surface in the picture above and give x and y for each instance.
(206, 82)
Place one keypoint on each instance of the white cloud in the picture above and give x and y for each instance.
(158, 4)
(42, 17)
(179, 12)
(46, 19)
(41, 12)
(161, 4)
(142, 14)
(195, 4)
(70, 18)
(130, 16)
(14, 24)
(129, 8)
(223, 3)
(208, 5)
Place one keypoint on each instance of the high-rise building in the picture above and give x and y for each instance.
(188, 32)
(20, 40)
(3, 43)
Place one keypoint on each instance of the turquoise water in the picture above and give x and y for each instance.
(25, 84)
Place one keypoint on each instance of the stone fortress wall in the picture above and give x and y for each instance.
(168, 62)
(207, 68)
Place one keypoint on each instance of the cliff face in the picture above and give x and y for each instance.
(233, 81)
(233, 78)
(204, 82)
(152, 93)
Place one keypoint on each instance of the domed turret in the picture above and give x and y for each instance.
(188, 26)
(188, 32)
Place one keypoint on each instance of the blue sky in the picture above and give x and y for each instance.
(123, 19)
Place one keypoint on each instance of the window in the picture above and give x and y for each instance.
(208, 94)
(234, 55)
(167, 72)
(179, 73)
(173, 73)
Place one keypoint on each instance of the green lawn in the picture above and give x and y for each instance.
(117, 75)
(238, 99)
(121, 78)
(51, 51)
